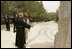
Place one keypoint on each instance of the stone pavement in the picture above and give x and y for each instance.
(40, 36)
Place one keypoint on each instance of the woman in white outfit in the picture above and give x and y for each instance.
(26, 19)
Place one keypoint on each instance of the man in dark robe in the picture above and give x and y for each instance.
(20, 35)
(7, 22)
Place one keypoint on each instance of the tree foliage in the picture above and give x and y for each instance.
(33, 8)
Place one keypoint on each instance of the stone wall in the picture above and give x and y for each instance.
(63, 37)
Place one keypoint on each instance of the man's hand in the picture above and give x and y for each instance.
(31, 25)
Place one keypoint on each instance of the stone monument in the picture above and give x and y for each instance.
(63, 37)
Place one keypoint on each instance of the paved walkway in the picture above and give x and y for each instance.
(40, 36)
